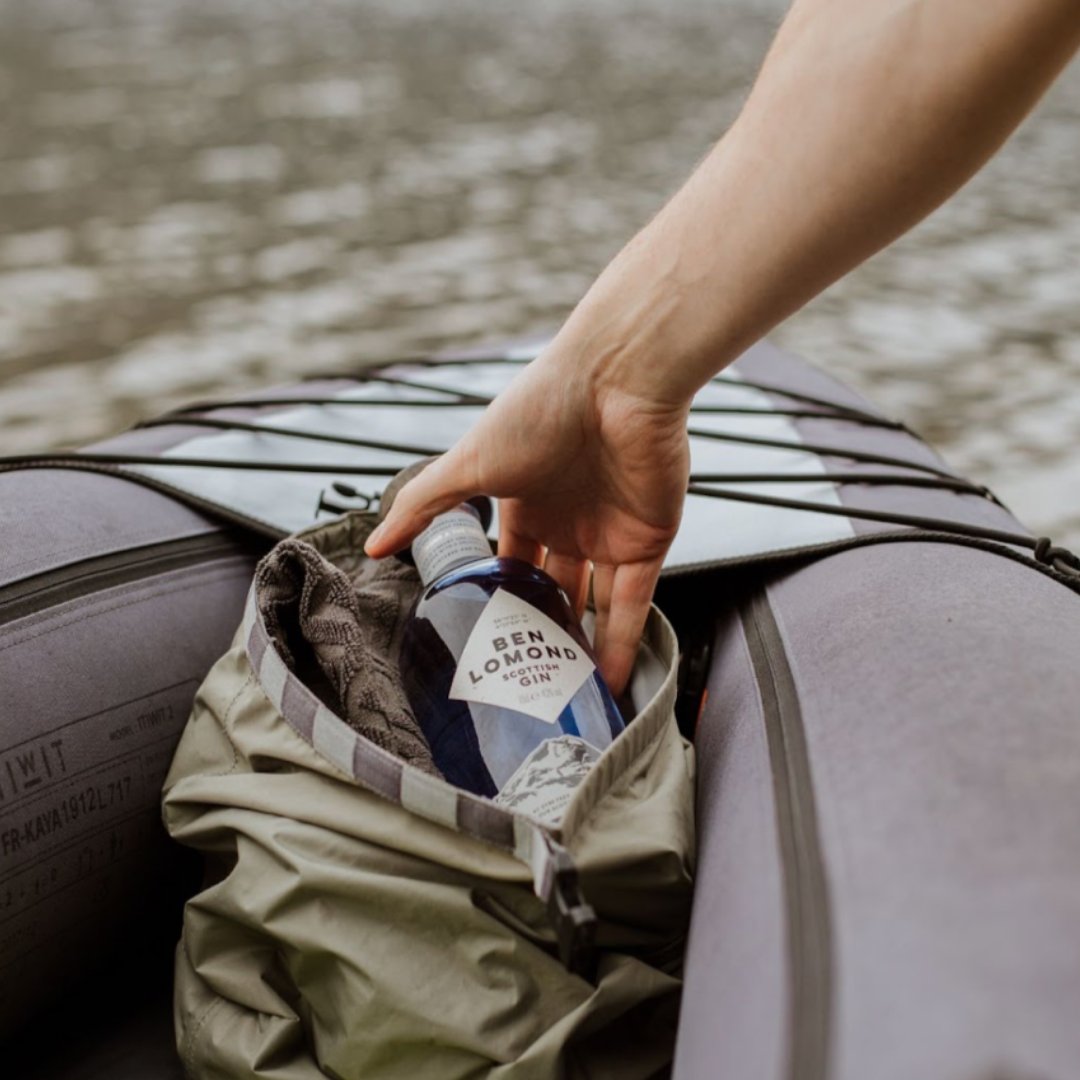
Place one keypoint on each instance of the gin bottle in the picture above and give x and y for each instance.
(499, 673)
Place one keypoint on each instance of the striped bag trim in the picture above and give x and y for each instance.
(379, 771)
(435, 800)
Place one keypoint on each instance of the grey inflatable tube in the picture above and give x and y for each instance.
(888, 813)
(114, 602)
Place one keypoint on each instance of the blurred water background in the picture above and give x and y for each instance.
(200, 196)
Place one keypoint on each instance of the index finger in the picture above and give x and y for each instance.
(632, 589)
(438, 487)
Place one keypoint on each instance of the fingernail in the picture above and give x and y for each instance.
(376, 534)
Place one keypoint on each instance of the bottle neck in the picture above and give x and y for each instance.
(452, 540)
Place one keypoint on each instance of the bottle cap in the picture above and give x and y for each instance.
(481, 502)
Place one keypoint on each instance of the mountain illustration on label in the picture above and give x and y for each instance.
(545, 782)
(518, 658)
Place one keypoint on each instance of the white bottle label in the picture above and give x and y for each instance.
(452, 539)
(545, 782)
(518, 658)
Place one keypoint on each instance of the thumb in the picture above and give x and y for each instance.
(439, 487)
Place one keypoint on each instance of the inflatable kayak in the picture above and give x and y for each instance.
(877, 668)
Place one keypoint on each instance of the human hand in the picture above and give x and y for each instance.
(590, 472)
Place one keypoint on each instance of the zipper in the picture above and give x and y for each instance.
(806, 898)
(72, 582)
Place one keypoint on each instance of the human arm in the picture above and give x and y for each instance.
(865, 116)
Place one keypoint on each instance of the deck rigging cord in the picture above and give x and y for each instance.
(427, 451)
(455, 398)
(376, 373)
(477, 402)
(835, 410)
(1062, 563)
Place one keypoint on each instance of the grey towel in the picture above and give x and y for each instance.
(341, 634)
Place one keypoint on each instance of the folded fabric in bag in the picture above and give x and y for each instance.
(362, 918)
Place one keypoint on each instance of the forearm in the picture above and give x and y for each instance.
(866, 115)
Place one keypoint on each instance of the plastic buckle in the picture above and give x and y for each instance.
(339, 491)
(574, 919)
